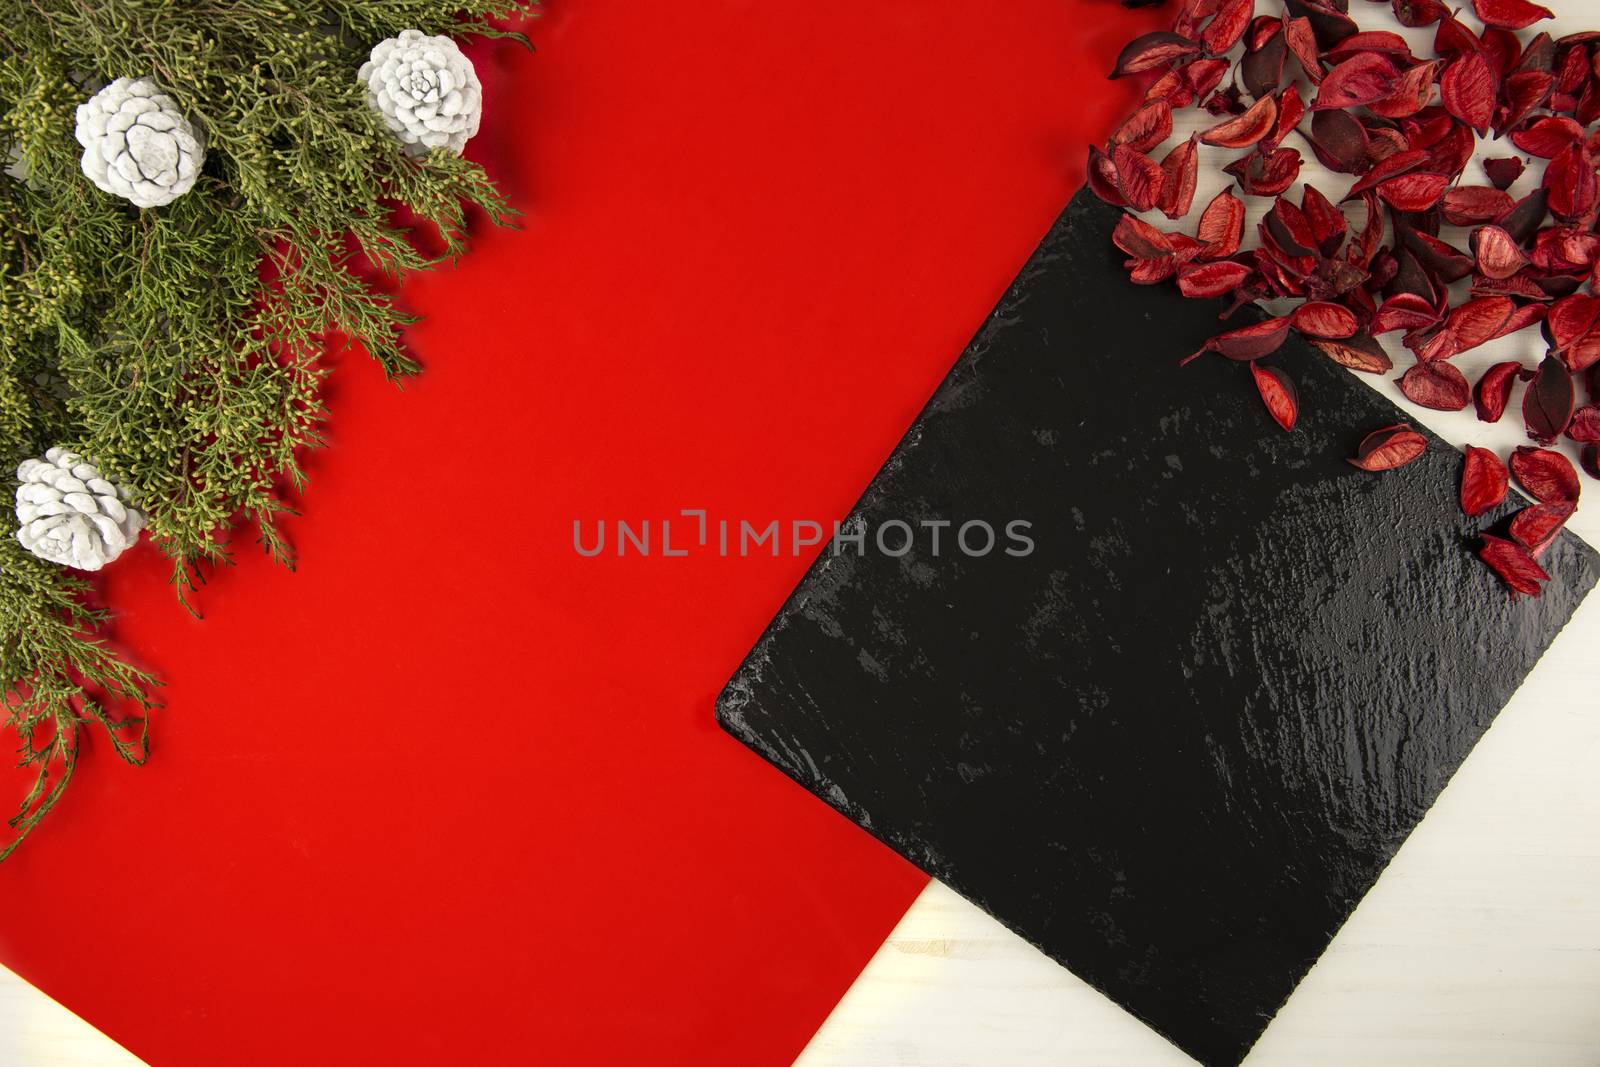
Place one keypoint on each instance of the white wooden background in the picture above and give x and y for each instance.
(1479, 946)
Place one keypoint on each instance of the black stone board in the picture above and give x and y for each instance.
(1176, 744)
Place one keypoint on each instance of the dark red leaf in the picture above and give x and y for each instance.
(1390, 447)
(1410, 95)
(1266, 175)
(1483, 481)
(1494, 390)
(1585, 424)
(1547, 405)
(1547, 476)
(1340, 141)
(1302, 41)
(1139, 178)
(1361, 352)
(1322, 319)
(1211, 279)
(1370, 41)
(1261, 69)
(1361, 79)
(1468, 90)
(1278, 393)
(1436, 385)
(1503, 171)
(1569, 179)
(1151, 51)
(1525, 216)
(1103, 178)
(1140, 239)
(1510, 14)
(1522, 92)
(1248, 342)
(1246, 129)
(1535, 526)
(1404, 311)
(1388, 167)
(1514, 564)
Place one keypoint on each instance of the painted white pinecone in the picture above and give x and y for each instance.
(68, 514)
(425, 89)
(137, 144)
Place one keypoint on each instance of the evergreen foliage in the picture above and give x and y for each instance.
(149, 341)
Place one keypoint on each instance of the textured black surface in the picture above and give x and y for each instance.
(1176, 745)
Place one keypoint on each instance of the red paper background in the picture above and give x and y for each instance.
(449, 792)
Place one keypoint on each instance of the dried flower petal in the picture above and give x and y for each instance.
(1139, 178)
(1547, 476)
(1514, 564)
(1436, 385)
(1178, 174)
(1388, 448)
(1361, 352)
(1494, 389)
(1547, 137)
(1547, 405)
(1585, 424)
(1211, 279)
(1146, 127)
(1498, 255)
(1230, 22)
(1468, 90)
(1245, 130)
(1151, 51)
(1221, 226)
(1278, 393)
(1503, 171)
(1510, 14)
(1248, 342)
(1322, 319)
(1573, 325)
(1535, 526)
(1484, 479)
(1361, 79)
(1589, 457)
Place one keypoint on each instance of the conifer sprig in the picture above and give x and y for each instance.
(178, 346)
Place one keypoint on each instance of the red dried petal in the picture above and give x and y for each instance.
(1103, 178)
(1140, 239)
(1387, 167)
(1321, 319)
(1266, 175)
(1302, 41)
(1146, 127)
(1498, 255)
(1569, 179)
(1404, 311)
(1248, 342)
(1179, 171)
(1503, 171)
(1139, 178)
(1414, 13)
(1535, 526)
(1278, 393)
(1585, 424)
(1494, 390)
(1547, 405)
(1589, 456)
(1221, 226)
(1547, 137)
(1484, 480)
(1510, 14)
(1574, 328)
(1413, 192)
(1410, 95)
(1436, 385)
(1361, 352)
(1202, 280)
(1547, 476)
(1361, 79)
(1523, 91)
(1246, 129)
(1340, 141)
(1230, 22)
(1514, 564)
(1151, 51)
(1370, 41)
(1468, 90)
(1468, 205)
(1388, 448)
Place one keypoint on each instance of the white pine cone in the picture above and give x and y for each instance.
(425, 89)
(68, 514)
(137, 144)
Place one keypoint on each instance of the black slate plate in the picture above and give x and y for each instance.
(1177, 743)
